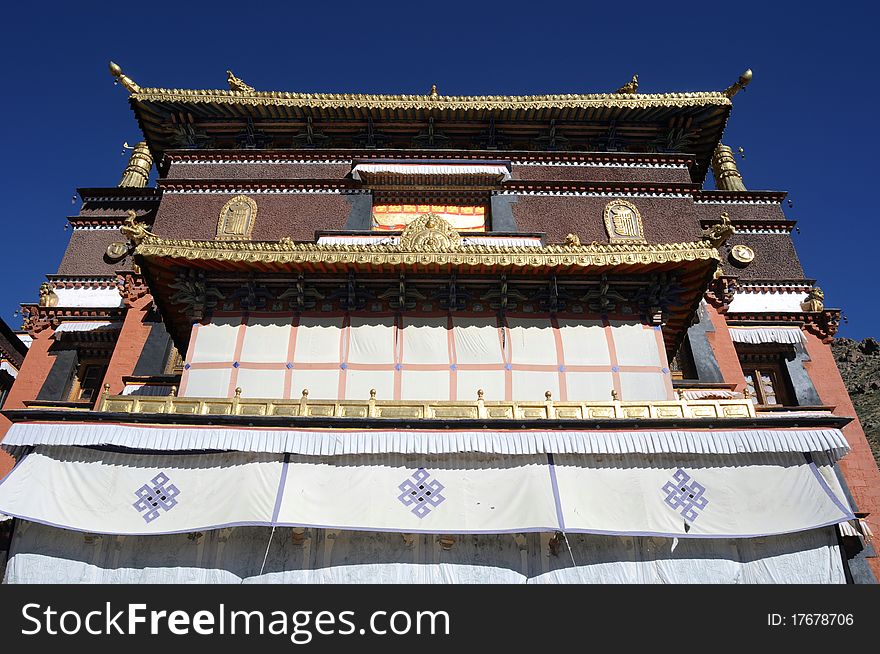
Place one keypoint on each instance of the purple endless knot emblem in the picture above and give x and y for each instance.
(685, 495)
(421, 493)
(156, 496)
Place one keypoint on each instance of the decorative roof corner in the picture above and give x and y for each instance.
(123, 79)
(739, 84)
(238, 85)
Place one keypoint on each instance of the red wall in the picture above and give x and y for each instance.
(858, 467)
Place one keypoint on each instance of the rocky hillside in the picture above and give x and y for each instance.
(859, 363)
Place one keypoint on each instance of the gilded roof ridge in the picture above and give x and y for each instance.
(405, 101)
(155, 245)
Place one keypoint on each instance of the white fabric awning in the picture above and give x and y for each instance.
(87, 326)
(426, 441)
(431, 170)
(758, 335)
(708, 393)
(672, 496)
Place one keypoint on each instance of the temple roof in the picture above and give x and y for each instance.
(427, 247)
(626, 120)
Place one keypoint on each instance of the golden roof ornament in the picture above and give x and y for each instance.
(133, 230)
(429, 233)
(572, 240)
(815, 301)
(631, 87)
(727, 175)
(48, 298)
(717, 235)
(238, 85)
(137, 172)
(740, 84)
(434, 95)
(123, 79)
(742, 254)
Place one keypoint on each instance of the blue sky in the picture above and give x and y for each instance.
(808, 122)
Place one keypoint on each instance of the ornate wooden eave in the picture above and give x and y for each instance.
(823, 324)
(516, 157)
(37, 318)
(11, 346)
(638, 122)
(513, 186)
(710, 195)
(429, 247)
(416, 102)
(748, 224)
(288, 256)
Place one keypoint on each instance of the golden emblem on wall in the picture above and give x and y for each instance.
(117, 250)
(429, 233)
(623, 222)
(237, 219)
(742, 254)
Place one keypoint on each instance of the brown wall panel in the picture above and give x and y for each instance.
(298, 216)
(183, 170)
(600, 174)
(775, 257)
(85, 253)
(665, 220)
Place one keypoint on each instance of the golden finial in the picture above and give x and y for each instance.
(123, 79)
(727, 175)
(434, 95)
(614, 395)
(173, 392)
(236, 84)
(740, 84)
(548, 396)
(480, 393)
(572, 240)
(631, 87)
(679, 393)
(305, 393)
(372, 393)
(137, 172)
(238, 392)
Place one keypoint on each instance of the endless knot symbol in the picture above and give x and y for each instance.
(685, 495)
(155, 496)
(420, 493)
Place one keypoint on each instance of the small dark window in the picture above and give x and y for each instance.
(87, 385)
(767, 378)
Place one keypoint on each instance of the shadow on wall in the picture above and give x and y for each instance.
(42, 554)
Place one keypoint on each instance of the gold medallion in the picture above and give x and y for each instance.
(742, 253)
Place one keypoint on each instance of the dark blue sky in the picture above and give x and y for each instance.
(808, 122)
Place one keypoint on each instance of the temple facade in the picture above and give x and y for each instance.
(430, 338)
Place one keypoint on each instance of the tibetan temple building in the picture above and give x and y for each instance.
(430, 338)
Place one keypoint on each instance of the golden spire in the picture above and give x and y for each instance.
(631, 87)
(727, 176)
(236, 84)
(434, 95)
(124, 79)
(137, 172)
(740, 84)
